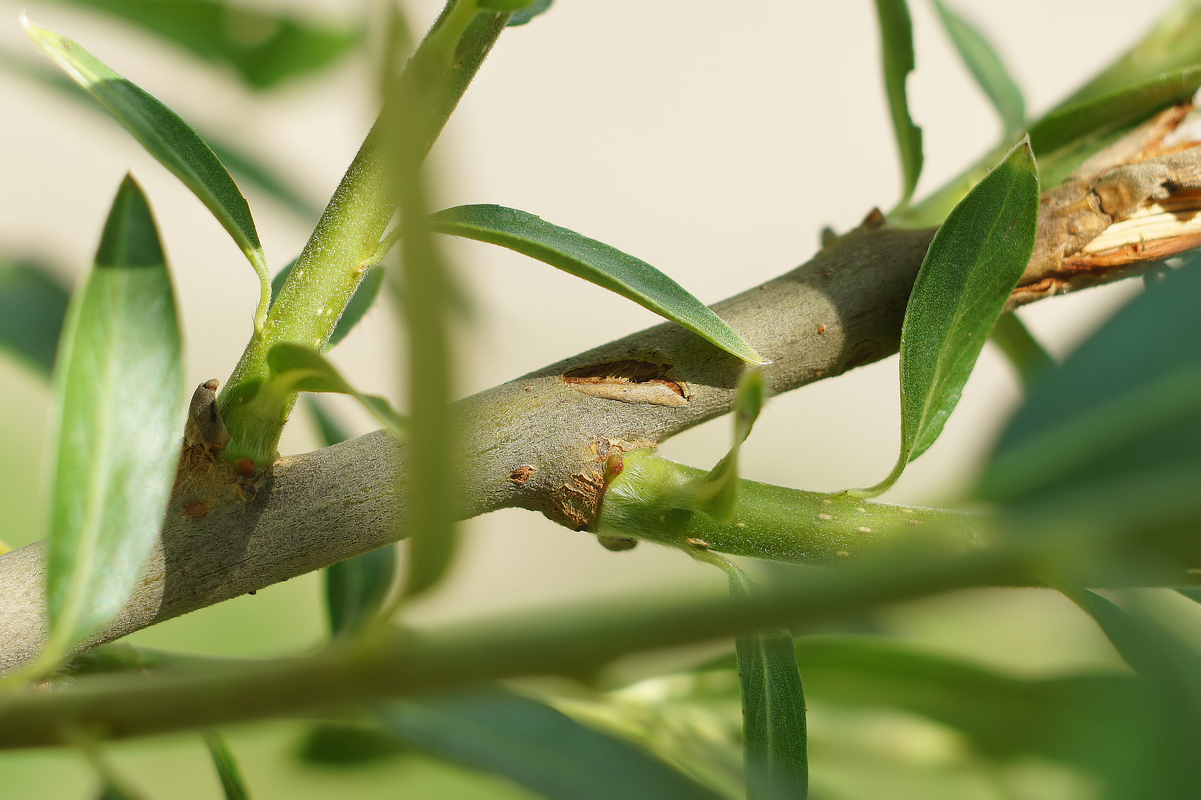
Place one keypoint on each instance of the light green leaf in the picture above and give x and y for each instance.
(121, 411)
(1174, 42)
(232, 782)
(296, 368)
(896, 43)
(1113, 437)
(1171, 668)
(536, 746)
(169, 139)
(1063, 139)
(987, 68)
(972, 265)
(596, 263)
(33, 306)
(773, 709)
(264, 47)
(717, 493)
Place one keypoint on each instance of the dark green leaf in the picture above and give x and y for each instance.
(1063, 139)
(538, 747)
(972, 265)
(33, 306)
(1113, 437)
(773, 709)
(232, 782)
(169, 139)
(328, 428)
(355, 589)
(595, 262)
(522, 17)
(296, 368)
(263, 47)
(120, 394)
(1191, 592)
(987, 68)
(348, 745)
(896, 43)
(1025, 352)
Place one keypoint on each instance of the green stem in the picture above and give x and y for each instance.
(642, 501)
(573, 639)
(346, 238)
(1025, 352)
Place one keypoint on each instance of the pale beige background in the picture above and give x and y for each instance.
(712, 139)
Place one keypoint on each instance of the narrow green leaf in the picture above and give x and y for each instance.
(355, 589)
(169, 139)
(121, 401)
(522, 17)
(773, 709)
(33, 306)
(717, 493)
(1119, 424)
(296, 368)
(364, 297)
(1172, 669)
(348, 744)
(1174, 42)
(1028, 356)
(1104, 723)
(329, 429)
(245, 166)
(1191, 592)
(987, 68)
(537, 747)
(262, 46)
(896, 43)
(232, 782)
(1063, 139)
(972, 265)
(596, 263)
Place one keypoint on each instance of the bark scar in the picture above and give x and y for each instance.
(628, 381)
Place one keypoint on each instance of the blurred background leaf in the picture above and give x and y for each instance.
(263, 47)
(33, 305)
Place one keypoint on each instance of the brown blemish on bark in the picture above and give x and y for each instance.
(629, 382)
(522, 473)
(197, 509)
(576, 502)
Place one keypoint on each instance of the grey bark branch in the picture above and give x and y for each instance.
(538, 442)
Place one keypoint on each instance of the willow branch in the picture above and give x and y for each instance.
(540, 442)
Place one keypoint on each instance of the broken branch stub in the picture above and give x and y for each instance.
(1124, 209)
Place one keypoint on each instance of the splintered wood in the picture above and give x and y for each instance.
(1122, 210)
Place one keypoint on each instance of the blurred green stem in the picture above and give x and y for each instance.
(346, 238)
